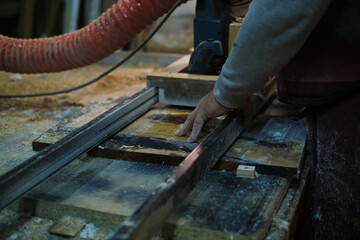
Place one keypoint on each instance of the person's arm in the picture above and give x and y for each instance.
(271, 34)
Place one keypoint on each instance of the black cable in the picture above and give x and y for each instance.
(106, 72)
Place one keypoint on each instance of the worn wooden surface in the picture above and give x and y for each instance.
(269, 145)
(67, 226)
(104, 192)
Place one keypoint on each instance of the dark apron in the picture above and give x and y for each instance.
(325, 77)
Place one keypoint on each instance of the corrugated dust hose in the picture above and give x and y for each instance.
(87, 45)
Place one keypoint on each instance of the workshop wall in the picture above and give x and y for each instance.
(177, 33)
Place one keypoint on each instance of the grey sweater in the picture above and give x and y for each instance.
(271, 34)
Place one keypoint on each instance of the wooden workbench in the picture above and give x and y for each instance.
(104, 191)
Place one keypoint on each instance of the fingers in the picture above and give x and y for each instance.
(196, 129)
(188, 124)
(195, 121)
(207, 108)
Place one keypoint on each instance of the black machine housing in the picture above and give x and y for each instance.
(211, 31)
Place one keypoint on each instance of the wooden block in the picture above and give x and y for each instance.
(67, 226)
(233, 30)
(245, 171)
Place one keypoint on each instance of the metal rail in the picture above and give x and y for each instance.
(25, 176)
(150, 216)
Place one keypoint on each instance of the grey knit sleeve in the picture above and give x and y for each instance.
(271, 34)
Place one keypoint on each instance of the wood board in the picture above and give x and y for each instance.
(151, 139)
(178, 87)
(105, 191)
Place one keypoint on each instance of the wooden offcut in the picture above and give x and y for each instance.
(245, 171)
(67, 226)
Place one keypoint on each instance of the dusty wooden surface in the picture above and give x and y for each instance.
(105, 191)
(115, 187)
(22, 120)
(271, 144)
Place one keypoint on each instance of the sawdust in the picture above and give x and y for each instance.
(15, 226)
(23, 119)
(113, 85)
(18, 112)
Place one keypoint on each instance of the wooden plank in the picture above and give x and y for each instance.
(71, 16)
(285, 221)
(163, 79)
(104, 191)
(151, 139)
(178, 66)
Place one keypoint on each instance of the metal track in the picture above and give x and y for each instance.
(150, 216)
(25, 176)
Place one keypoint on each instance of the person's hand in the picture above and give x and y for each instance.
(207, 109)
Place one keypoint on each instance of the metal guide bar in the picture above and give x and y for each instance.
(25, 176)
(148, 219)
(150, 216)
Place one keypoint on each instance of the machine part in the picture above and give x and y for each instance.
(210, 37)
(211, 22)
(179, 88)
(25, 176)
(207, 58)
(90, 44)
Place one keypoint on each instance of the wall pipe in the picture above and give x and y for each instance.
(99, 39)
